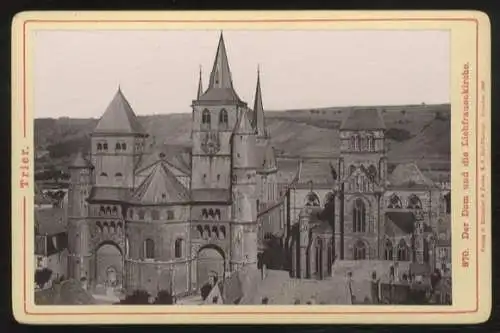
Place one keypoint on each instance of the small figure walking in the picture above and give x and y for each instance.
(375, 288)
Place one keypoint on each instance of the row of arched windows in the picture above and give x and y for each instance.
(108, 228)
(118, 175)
(207, 232)
(360, 183)
(413, 202)
(402, 251)
(154, 214)
(149, 248)
(108, 210)
(211, 214)
(359, 143)
(206, 120)
(118, 146)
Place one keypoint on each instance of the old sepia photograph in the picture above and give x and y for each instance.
(242, 167)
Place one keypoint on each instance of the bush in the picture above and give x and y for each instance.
(42, 276)
(137, 297)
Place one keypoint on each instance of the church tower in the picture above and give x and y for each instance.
(117, 144)
(215, 113)
(258, 119)
(81, 181)
(244, 209)
(363, 177)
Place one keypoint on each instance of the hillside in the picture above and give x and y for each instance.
(420, 132)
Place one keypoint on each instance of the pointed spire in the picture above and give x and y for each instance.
(200, 86)
(221, 74)
(258, 109)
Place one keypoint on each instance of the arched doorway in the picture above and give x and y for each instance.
(210, 265)
(109, 266)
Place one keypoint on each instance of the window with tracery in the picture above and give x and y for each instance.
(149, 249)
(359, 250)
(359, 216)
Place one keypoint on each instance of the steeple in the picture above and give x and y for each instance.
(258, 110)
(200, 87)
(220, 86)
(221, 74)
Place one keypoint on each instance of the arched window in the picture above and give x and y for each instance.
(371, 143)
(352, 168)
(105, 227)
(170, 215)
(105, 146)
(205, 118)
(215, 231)
(119, 227)
(178, 247)
(222, 234)
(414, 202)
(353, 142)
(204, 213)
(112, 227)
(199, 228)
(155, 215)
(372, 172)
(312, 199)
(211, 214)
(388, 250)
(217, 214)
(206, 233)
(104, 174)
(124, 146)
(108, 210)
(223, 118)
(99, 146)
(102, 211)
(394, 202)
(118, 175)
(403, 251)
(115, 211)
(98, 227)
(356, 142)
(359, 250)
(118, 146)
(359, 216)
(141, 214)
(149, 249)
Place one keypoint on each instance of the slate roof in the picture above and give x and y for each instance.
(220, 87)
(363, 119)
(161, 181)
(119, 118)
(177, 156)
(408, 176)
(244, 125)
(67, 292)
(287, 170)
(113, 194)
(319, 171)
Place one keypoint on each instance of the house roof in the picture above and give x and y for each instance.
(114, 194)
(161, 185)
(119, 118)
(287, 169)
(244, 125)
(319, 171)
(363, 119)
(68, 292)
(266, 157)
(408, 175)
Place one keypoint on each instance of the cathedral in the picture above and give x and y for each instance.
(140, 218)
(145, 218)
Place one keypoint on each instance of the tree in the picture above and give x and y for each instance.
(42, 276)
(164, 297)
(137, 297)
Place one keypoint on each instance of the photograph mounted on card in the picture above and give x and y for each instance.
(251, 167)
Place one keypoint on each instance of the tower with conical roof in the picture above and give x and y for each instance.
(117, 143)
(362, 175)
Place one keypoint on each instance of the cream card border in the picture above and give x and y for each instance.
(470, 46)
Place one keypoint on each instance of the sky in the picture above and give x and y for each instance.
(77, 73)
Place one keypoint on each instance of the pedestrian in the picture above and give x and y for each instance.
(375, 288)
